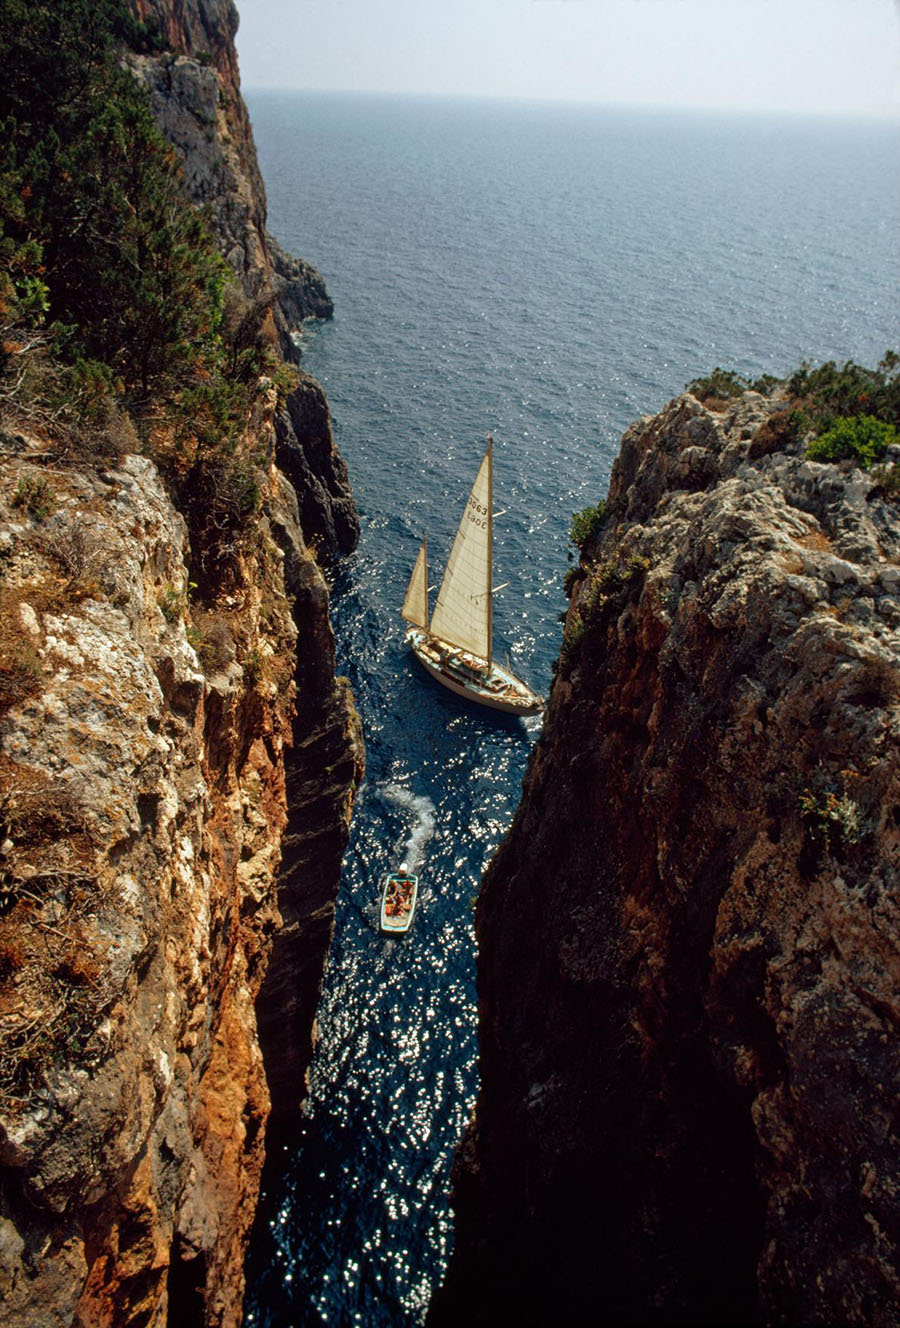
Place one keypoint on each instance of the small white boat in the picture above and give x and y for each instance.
(399, 893)
(454, 647)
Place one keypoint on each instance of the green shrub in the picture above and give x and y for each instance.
(210, 415)
(221, 500)
(610, 578)
(860, 438)
(570, 580)
(286, 379)
(118, 317)
(722, 384)
(96, 231)
(572, 638)
(253, 667)
(171, 603)
(586, 524)
(834, 391)
(825, 393)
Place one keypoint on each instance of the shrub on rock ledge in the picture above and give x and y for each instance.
(860, 438)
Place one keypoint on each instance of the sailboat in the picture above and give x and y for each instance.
(455, 646)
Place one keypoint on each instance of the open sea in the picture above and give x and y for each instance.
(548, 273)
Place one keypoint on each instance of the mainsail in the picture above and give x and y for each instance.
(415, 606)
(463, 613)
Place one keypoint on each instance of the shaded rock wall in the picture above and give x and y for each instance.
(300, 289)
(324, 767)
(689, 981)
(143, 801)
(306, 454)
(195, 89)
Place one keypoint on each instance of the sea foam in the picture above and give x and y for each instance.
(421, 809)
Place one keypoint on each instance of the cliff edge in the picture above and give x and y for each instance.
(194, 89)
(171, 726)
(689, 982)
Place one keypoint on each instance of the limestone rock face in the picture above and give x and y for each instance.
(195, 97)
(325, 765)
(142, 810)
(143, 802)
(300, 288)
(689, 980)
(145, 756)
(197, 114)
(195, 93)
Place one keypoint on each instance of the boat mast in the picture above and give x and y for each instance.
(490, 550)
(425, 579)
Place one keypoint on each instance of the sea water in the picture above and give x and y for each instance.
(548, 273)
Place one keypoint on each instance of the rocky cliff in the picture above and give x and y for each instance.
(163, 745)
(195, 95)
(689, 982)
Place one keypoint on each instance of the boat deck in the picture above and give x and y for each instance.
(475, 678)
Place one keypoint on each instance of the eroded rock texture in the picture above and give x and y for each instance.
(142, 809)
(144, 777)
(143, 802)
(689, 980)
(195, 96)
(300, 287)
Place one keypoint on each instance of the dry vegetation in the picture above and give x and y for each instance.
(55, 978)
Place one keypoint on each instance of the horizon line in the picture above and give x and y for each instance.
(818, 113)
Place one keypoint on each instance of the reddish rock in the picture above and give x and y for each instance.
(143, 803)
(688, 976)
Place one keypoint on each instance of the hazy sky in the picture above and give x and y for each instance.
(804, 55)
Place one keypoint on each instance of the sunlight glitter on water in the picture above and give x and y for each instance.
(553, 306)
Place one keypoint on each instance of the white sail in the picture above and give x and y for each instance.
(463, 613)
(415, 606)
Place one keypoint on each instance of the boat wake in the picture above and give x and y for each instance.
(422, 809)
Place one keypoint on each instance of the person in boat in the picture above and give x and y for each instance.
(399, 893)
(404, 890)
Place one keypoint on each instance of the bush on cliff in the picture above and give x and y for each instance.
(833, 392)
(854, 412)
(116, 314)
(860, 438)
(585, 525)
(887, 481)
(824, 394)
(98, 242)
(721, 385)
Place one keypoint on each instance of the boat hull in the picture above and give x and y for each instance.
(497, 688)
(398, 923)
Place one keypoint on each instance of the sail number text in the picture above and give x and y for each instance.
(476, 513)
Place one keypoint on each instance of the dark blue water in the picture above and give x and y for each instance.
(547, 273)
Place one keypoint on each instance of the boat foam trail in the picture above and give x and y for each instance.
(422, 809)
